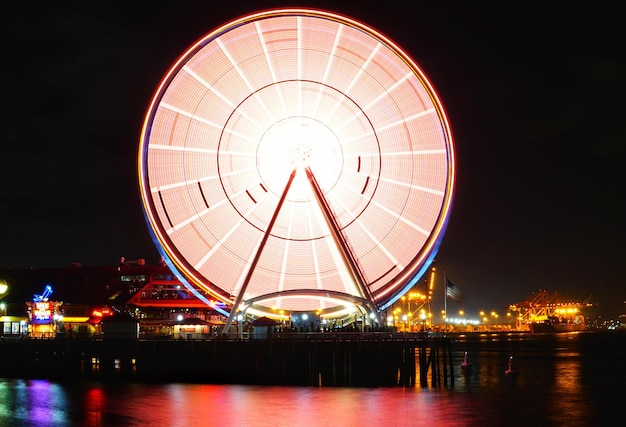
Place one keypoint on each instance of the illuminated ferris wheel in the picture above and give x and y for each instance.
(297, 160)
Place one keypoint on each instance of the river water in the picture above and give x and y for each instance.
(573, 379)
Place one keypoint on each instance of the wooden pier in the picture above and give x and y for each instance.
(305, 359)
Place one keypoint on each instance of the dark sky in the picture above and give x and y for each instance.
(535, 97)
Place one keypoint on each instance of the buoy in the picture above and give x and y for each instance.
(509, 369)
(466, 364)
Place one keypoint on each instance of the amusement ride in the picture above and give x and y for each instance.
(297, 161)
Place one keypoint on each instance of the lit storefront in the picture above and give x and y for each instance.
(13, 326)
(42, 318)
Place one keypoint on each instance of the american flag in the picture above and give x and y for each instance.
(452, 291)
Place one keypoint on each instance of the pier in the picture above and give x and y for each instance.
(300, 359)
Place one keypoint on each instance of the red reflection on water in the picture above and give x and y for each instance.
(93, 407)
(191, 404)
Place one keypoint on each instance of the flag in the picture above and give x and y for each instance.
(452, 291)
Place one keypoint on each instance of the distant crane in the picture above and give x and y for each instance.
(543, 305)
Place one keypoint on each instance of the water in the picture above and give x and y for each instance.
(563, 379)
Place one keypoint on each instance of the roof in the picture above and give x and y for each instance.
(264, 321)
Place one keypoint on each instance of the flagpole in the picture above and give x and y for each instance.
(445, 302)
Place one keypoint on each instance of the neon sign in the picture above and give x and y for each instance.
(42, 311)
(101, 312)
(47, 291)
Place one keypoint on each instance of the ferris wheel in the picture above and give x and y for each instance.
(297, 160)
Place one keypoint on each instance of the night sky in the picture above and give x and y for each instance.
(535, 99)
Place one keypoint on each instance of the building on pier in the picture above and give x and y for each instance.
(76, 299)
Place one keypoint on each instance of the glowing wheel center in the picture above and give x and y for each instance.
(297, 143)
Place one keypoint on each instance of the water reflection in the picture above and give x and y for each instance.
(94, 405)
(33, 402)
(562, 380)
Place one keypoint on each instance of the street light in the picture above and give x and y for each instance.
(3, 289)
(240, 324)
(495, 316)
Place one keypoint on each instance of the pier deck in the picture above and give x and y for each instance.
(309, 359)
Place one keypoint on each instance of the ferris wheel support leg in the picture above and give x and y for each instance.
(346, 254)
(257, 256)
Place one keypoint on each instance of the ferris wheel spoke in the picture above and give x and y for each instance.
(346, 253)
